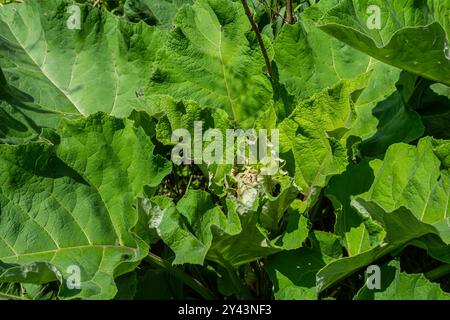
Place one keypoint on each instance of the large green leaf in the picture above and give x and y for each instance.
(407, 177)
(20, 120)
(211, 59)
(409, 199)
(72, 203)
(412, 177)
(309, 60)
(313, 135)
(397, 285)
(383, 117)
(358, 234)
(196, 229)
(167, 223)
(294, 272)
(66, 71)
(413, 35)
(153, 12)
(173, 115)
(402, 229)
(232, 234)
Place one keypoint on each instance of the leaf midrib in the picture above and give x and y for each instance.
(95, 246)
(230, 100)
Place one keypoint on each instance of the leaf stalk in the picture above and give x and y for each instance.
(255, 28)
(289, 16)
(194, 284)
(438, 273)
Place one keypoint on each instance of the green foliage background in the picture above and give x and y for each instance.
(86, 180)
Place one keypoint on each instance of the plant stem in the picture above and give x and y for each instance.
(438, 273)
(258, 36)
(189, 183)
(238, 284)
(194, 284)
(289, 16)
